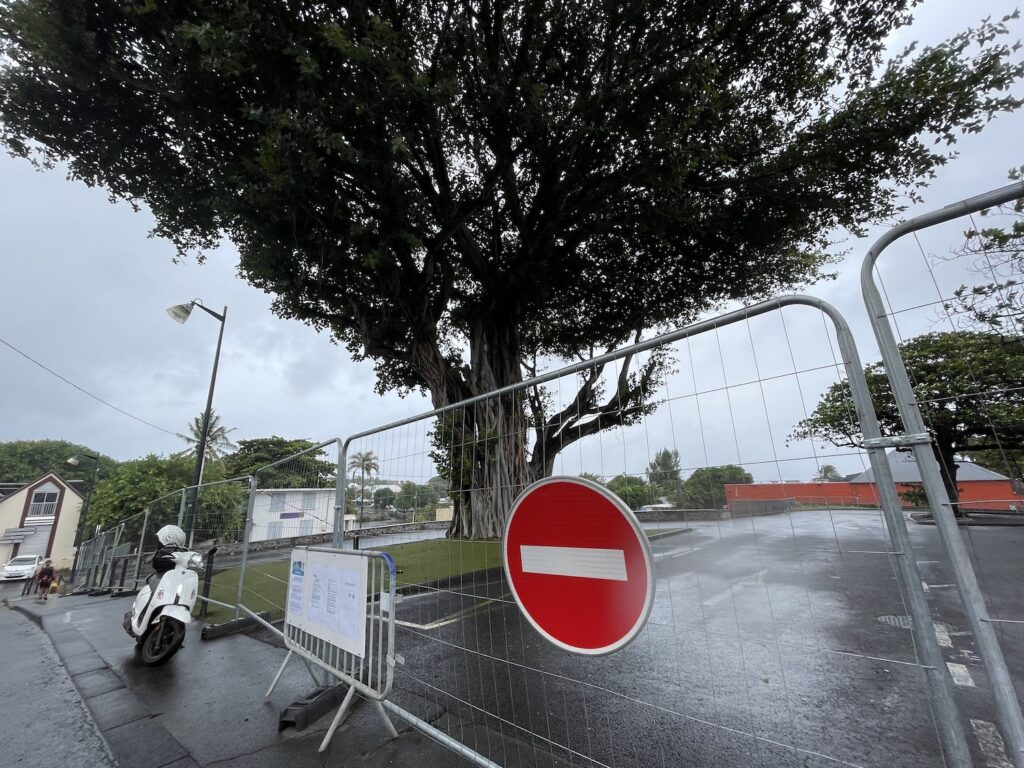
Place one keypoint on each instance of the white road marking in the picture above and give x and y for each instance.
(452, 619)
(757, 578)
(924, 586)
(991, 744)
(942, 634)
(961, 675)
(581, 562)
(941, 586)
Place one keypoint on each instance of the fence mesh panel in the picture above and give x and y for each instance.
(776, 620)
(293, 505)
(952, 294)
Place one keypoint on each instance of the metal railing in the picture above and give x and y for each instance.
(920, 440)
(497, 684)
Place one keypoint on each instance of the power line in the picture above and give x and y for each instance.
(85, 391)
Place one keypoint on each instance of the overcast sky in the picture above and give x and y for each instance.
(83, 289)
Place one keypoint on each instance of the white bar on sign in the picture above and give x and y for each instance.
(582, 562)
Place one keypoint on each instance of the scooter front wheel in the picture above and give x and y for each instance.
(163, 641)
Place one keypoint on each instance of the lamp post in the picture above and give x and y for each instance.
(74, 461)
(180, 314)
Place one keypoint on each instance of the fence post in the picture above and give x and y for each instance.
(181, 508)
(207, 581)
(951, 727)
(250, 506)
(142, 540)
(339, 496)
(1008, 710)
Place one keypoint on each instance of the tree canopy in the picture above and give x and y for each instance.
(22, 461)
(136, 484)
(827, 473)
(457, 190)
(311, 470)
(994, 302)
(664, 471)
(218, 444)
(968, 386)
(705, 488)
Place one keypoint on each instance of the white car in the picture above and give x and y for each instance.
(21, 567)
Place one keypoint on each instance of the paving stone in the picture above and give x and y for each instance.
(143, 744)
(84, 662)
(68, 648)
(116, 708)
(97, 682)
(185, 762)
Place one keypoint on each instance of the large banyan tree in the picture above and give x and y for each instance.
(458, 189)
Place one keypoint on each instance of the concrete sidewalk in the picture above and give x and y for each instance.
(205, 708)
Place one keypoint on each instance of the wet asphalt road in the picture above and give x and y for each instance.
(44, 723)
(772, 642)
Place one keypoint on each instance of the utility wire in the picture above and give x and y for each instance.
(85, 391)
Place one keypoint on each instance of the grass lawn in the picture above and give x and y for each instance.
(417, 562)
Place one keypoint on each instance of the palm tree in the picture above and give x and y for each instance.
(827, 473)
(218, 444)
(363, 462)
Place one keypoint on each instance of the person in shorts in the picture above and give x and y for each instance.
(46, 577)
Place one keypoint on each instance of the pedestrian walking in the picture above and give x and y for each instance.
(46, 577)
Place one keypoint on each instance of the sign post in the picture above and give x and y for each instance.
(579, 565)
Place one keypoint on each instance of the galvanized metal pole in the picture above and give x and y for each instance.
(338, 540)
(952, 732)
(181, 507)
(245, 541)
(142, 540)
(1008, 710)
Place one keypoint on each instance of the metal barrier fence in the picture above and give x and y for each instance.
(773, 626)
(291, 502)
(95, 561)
(370, 673)
(950, 327)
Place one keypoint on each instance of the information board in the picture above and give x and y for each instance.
(327, 597)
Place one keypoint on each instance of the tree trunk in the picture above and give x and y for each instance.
(481, 448)
(486, 445)
(948, 469)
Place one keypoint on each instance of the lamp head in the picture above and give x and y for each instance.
(180, 312)
(74, 461)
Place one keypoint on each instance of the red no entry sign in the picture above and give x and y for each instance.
(579, 565)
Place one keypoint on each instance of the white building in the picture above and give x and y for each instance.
(285, 513)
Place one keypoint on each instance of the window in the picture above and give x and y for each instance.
(308, 500)
(275, 530)
(276, 503)
(44, 504)
(306, 527)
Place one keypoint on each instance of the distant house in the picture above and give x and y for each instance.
(40, 518)
(979, 488)
(286, 513)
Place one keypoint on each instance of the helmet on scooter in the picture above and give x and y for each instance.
(171, 536)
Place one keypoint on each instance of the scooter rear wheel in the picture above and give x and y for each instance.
(162, 642)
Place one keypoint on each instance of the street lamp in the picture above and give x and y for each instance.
(180, 313)
(74, 461)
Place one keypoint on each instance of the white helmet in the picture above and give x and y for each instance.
(171, 535)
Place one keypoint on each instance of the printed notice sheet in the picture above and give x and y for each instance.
(296, 584)
(331, 592)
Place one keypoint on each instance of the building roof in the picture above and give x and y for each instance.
(904, 470)
(9, 489)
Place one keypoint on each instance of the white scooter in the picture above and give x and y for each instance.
(163, 608)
